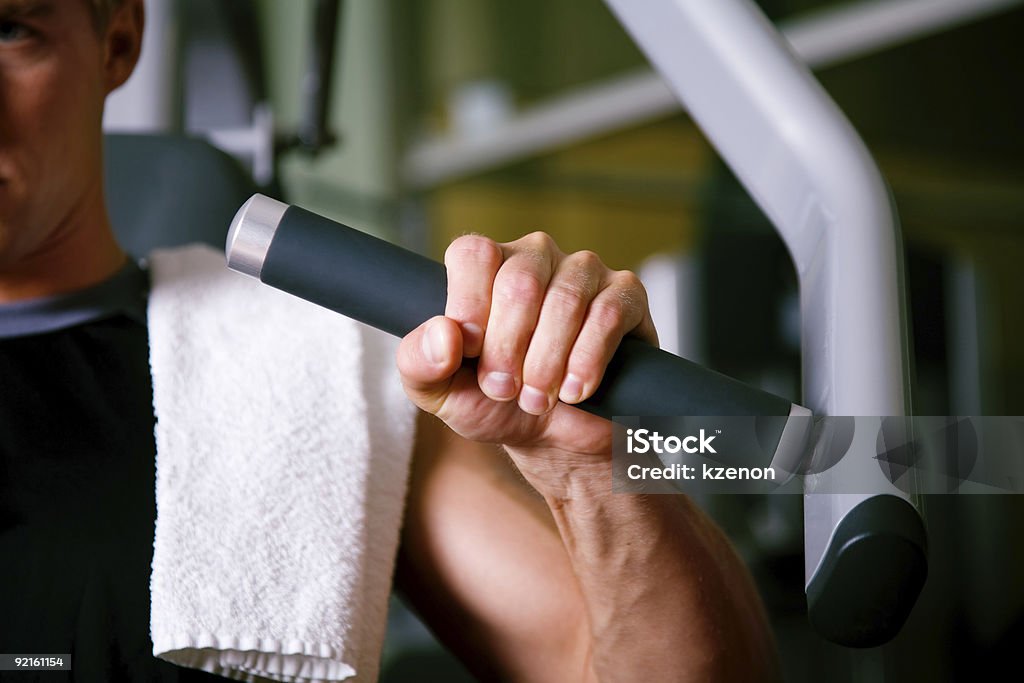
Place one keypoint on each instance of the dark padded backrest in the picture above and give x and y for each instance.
(169, 190)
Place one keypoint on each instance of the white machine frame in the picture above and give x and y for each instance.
(806, 167)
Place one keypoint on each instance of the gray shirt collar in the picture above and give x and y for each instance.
(123, 293)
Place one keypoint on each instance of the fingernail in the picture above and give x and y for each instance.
(533, 401)
(434, 346)
(572, 389)
(499, 385)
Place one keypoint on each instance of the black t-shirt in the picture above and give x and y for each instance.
(77, 485)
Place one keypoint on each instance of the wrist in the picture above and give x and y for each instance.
(562, 476)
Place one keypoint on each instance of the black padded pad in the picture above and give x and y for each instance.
(170, 190)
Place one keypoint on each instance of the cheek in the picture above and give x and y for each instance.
(50, 149)
(25, 121)
(72, 106)
(56, 120)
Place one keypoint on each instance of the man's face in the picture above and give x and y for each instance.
(54, 76)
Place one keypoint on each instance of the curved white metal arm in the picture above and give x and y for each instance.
(803, 163)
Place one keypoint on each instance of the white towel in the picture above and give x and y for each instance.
(283, 443)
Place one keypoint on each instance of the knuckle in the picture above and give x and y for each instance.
(538, 240)
(630, 290)
(629, 281)
(473, 249)
(537, 248)
(466, 305)
(567, 296)
(585, 270)
(586, 260)
(520, 286)
(504, 354)
(607, 314)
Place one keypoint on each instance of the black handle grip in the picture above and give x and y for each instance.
(395, 290)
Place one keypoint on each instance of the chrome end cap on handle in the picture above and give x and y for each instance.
(251, 232)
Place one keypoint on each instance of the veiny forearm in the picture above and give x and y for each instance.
(666, 595)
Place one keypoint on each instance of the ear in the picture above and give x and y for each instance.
(123, 42)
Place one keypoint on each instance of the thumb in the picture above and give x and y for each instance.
(428, 358)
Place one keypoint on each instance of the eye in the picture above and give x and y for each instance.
(11, 31)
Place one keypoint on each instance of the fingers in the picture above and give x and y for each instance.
(516, 299)
(576, 282)
(544, 325)
(427, 360)
(620, 308)
(472, 262)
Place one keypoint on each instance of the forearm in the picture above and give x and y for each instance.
(664, 591)
(483, 564)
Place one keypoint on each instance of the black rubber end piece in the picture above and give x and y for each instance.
(871, 575)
